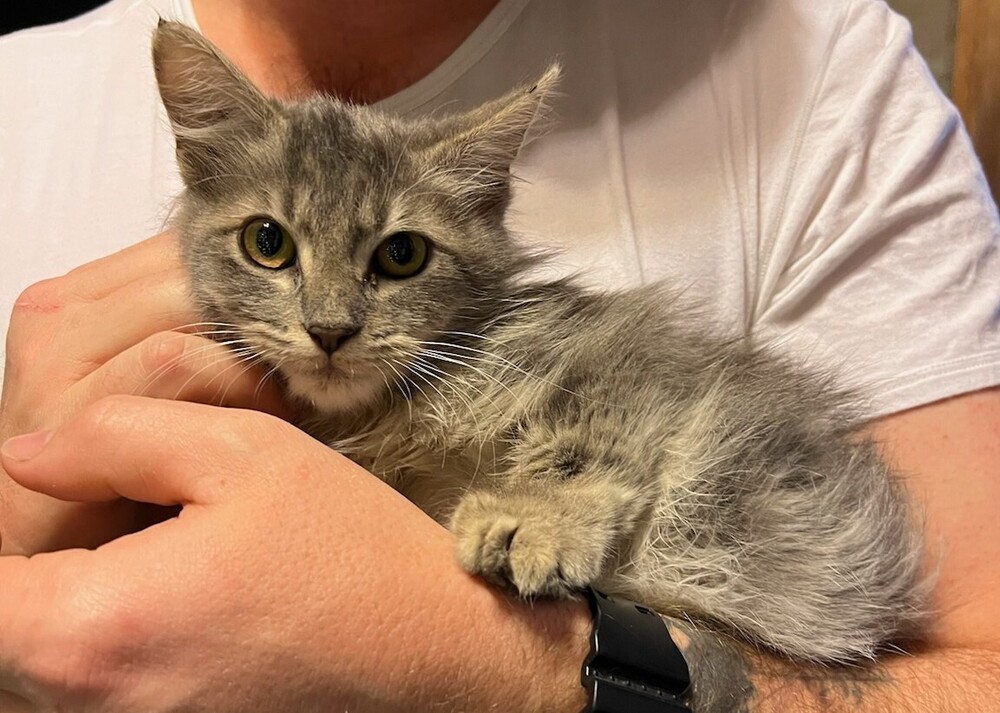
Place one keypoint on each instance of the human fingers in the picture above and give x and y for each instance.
(54, 340)
(49, 300)
(101, 277)
(142, 449)
(151, 303)
(185, 367)
(194, 613)
(58, 612)
(188, 614)
(13, 703)
(18, 583)
(61, 331)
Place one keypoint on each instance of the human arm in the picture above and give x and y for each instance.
(884, 268)
(157, 615)
(949, 454)
(110, 328)
(292, 580)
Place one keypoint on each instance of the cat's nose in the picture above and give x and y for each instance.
(330, 339)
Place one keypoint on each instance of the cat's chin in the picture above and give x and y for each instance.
(332, 393)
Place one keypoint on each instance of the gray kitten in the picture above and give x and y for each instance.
(567, 438)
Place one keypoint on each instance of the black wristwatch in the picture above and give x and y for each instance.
(633, 666)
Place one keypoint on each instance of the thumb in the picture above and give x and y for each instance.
(144, 449)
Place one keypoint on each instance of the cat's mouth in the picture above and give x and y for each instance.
(329, 371)
(327, 375)
(333, 387)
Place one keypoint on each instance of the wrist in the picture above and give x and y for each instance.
(513, 655)
(556, 638)
(546, 643)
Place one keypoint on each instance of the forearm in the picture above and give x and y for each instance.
(730, 677)
(549, 644)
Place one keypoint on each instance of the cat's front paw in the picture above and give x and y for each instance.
(521, 542)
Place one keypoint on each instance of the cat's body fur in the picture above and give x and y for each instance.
(566, 437)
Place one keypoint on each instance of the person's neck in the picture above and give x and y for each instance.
(358, 50)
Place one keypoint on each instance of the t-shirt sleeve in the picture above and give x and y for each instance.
(883, 254)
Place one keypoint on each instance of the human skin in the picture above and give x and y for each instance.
(106, 328)
(351, 599)
(152, 621)
(361, 51)
(81, 349)
(292, 575)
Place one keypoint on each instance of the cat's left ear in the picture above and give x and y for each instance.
(213, 108)
(478, 147)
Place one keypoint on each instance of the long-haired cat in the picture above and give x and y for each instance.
(567, 438)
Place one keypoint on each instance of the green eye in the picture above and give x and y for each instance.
(401, 255)
(265, 242)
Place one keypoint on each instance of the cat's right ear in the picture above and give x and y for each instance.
(213, 107)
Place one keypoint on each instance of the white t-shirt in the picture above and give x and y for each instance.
(788, 163)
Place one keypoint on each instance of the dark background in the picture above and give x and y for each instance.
(18, 14)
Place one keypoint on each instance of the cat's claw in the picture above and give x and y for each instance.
(519, 542)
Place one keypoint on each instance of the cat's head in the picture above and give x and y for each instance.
(338, 241)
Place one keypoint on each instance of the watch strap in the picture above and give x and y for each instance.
(633, 666)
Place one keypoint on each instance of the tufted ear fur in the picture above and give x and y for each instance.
(477, 148)
(213, 107)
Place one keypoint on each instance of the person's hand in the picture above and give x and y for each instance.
(105, 328)
(292, 580)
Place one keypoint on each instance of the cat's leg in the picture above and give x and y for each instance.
(557, 521)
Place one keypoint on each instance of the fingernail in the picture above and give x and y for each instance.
(25, 447)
